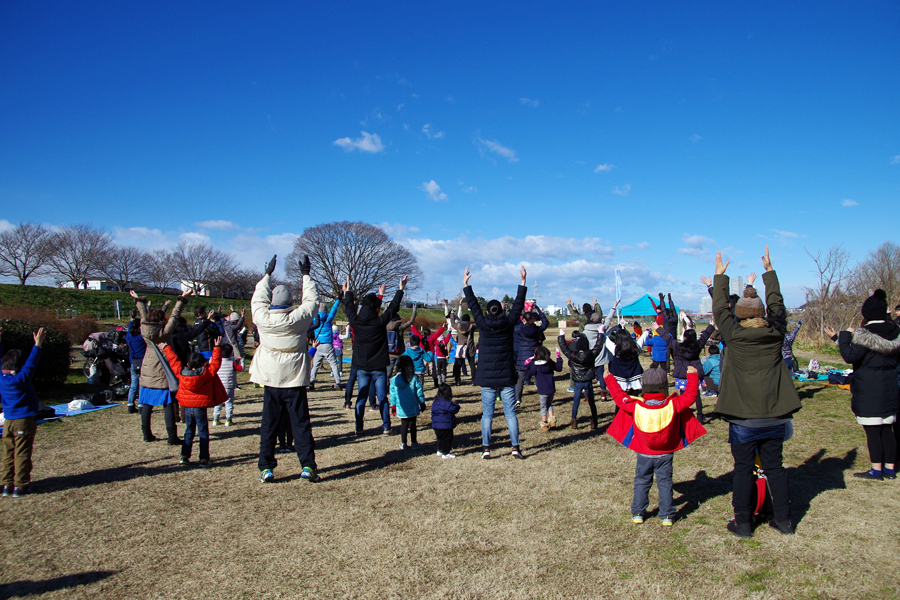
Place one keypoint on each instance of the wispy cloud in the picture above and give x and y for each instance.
(6, 225)
(369, 142)
(529, 102)
(217, 224)
(433, 190)
(622, 191)
(604, 168)
(696, 137)
(497, 148)
(642, 245)
(470, 190)
(849, 202)
(431, 133)
(895, 160)
(695, 245)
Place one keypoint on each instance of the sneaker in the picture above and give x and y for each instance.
(552, 421)
(485, 454)
(638, 519)
(385, 431)
(266, 476)
(215, 423)
(228, 423)
(439, 453)
(372, 409)
(7, 490)
(448, 456)
(358, 433)
(150, 438)
(516, 453)
(517, 405)
(416, 445)
(309, 474)
(185, 461)
(402, 446)
(667, 521)
(174, 442)
(889, 474)
(19, 492)
(571, 390)
(205, 463)
(348, 407)
(870, 474)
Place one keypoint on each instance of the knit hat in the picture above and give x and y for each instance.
(875, 308)
(595, 317)
(234, 316)
(750, 305)
(282, 296)
(654, 381)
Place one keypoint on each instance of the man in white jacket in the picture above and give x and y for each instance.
(281, 364)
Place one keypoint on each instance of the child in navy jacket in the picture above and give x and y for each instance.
(443, 419)
(542, 370)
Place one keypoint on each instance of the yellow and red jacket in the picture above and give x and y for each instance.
(199, 391)
(655, 429)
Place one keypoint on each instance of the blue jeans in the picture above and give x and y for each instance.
(508, 397)
(378, 379)
(588, 388)
(348, 391)
(643, 479)
(195, 419)
(135, 383)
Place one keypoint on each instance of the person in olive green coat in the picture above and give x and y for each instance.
(756, 394)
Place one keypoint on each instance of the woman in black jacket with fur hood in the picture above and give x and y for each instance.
(874, 352)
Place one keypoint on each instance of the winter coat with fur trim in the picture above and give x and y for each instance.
(655, 429)
(874, 352)
(201, 388)
(152, 374)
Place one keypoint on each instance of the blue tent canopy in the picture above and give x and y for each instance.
(640, 308)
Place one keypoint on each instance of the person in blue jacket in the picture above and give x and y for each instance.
(20, 409)
(326, 349)
(530, 335)
(659, 351)
(137, 347)
(443, 419)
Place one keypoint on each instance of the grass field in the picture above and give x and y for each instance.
(114, 517)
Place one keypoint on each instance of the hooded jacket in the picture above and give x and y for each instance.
(19, 400)
(443, 413)
(683, 358)
(465, 333)
(281, 360)
(370, 347)
(874, 352)
(323, 332)
(542, 371)
(581, 361)
(755, 381)
(201, 388)
(530, 337)
(419, 356)
(152, 374)
(398, 326)
(655, 428)
(496, 358)
(406, 396)
(592, 331)
(231, 329)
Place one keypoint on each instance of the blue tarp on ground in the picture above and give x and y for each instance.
(641, 307)
(62, 410)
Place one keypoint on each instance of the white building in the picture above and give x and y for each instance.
(94, 284)
(553, 310)
(706, 305)
(737, 285)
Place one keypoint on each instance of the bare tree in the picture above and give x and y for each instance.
(826, 303)
(158, 270)
(880, 269)
(123, 265)
(243, 282)
(363, 251)
(24, 250)
(200, 265)
(76, 252)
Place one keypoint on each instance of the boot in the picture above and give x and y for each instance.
(132, 409)
(552, 421)
(741, 526)
(593, 422)
(574, 424)
(783, 524)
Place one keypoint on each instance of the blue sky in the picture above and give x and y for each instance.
(575, 138)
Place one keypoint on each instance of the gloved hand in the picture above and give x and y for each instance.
(799, 322)
(393, 411)
(270, 268)
(304, 265)
(422, 406)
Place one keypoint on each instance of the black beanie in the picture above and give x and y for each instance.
(875, 308)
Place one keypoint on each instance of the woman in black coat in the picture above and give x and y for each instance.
(874, 352)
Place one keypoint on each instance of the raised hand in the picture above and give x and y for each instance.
(692, 370)
(522, 274)
(751, 278)
(210, 315)
(39, 336)
(346, 287)
(831, 332)
(568, 301)
(133, 293)
(767, 263)
(218, 341)
(190, 292)
(705, 280)
(404, 280)
(614, 305)
(466, 276)
(381, 289)
(720, 268)
(270, 268)
(305, 266)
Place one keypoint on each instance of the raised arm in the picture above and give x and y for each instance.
(721, 313)
(408, 324)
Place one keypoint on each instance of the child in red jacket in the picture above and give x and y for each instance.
(655, 426)
(199, 387)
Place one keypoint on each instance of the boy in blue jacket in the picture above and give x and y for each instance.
(419, 356)
(20, 409)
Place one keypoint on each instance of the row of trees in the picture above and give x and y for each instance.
(76, 253)
(842, 286)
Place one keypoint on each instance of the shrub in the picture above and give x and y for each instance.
(53, 367)
(76, 330)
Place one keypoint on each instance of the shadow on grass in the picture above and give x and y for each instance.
(815, 476)
(21, 589)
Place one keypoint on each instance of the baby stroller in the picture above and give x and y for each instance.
(106, 361)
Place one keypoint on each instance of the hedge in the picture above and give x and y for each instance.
(53, 367)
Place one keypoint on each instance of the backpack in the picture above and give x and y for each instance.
(392, 338)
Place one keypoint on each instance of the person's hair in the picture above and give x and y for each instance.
(414, 340)
(135, 328)
(371, 300)
(11, 360)
(426, 332)
(200, 311)
(466, 317)
(181, 321)
(215, 316)
(541, 353)
(529, 317)
(404, 364)
(713, 350)
(195, 361)
(689, 343)
(576, 334)
(227, 350)
(156, 315)
(626, 347)
(444, 391)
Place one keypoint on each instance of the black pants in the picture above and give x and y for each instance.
(520, 384)
(286, 431)
(444, 440)
(168, 415)
(770, 458)
(408, 425)
(882, 444)
(457, 367)
(291, 404)
(710, 385)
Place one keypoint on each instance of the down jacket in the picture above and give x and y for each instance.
(443, 413)
(370, 347)
(201, 388)
(496, 357)
(684, 359)
(407, 396)
(281, 360)
(530, 337)
(874, 352)
(152, 374)
(581, 361)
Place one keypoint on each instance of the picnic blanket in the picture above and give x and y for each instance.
(62, 410)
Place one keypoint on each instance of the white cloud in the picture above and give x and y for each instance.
(470, 190)
(625, 248)
(604, 168)
(498, 148)
(643, 245)
(369, 142)
(217, 224)
(529, 102)
(192, 237)
(696, 137)
(6, 225)
(849, 202)
(143, 237)
(623, 191)
(432, 135)
(895, 160)
(696, 245)
(433, 190)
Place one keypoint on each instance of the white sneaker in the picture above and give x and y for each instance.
(447, 456)
(402, 446)
(439, 453)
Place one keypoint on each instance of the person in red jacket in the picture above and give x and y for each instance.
(655, 427)
(199, 387)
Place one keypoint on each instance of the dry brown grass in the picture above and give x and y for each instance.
(118, 518)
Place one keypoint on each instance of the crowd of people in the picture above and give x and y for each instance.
(748, 367)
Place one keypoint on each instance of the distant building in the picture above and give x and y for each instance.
(93, 284)
(553, 310)
(706, 305)
(737, 285)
